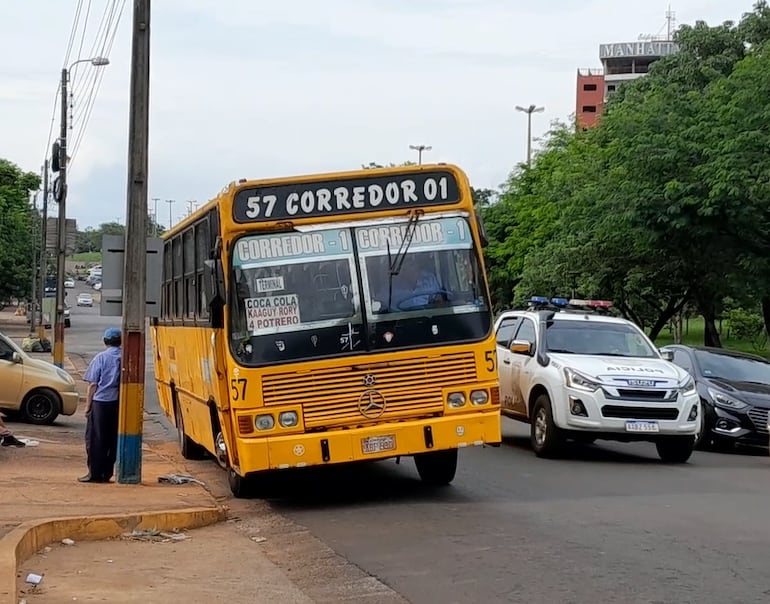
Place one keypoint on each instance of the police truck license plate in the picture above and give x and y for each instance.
(377, 444)
(642, 427)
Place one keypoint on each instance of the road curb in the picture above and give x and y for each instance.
(30, 537)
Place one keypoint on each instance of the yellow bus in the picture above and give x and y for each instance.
(329, 318)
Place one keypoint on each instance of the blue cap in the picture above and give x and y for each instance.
(111, 333)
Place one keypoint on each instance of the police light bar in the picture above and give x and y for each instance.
(578, 302)
(559, 301)
(538, 300)
(590, 303)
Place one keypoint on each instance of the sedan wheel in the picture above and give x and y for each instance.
(40, 407)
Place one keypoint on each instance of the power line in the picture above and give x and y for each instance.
(85, 28)
(73, 31)
(106, 49)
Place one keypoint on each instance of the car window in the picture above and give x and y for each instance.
(682, 359)
(506, 330)
(6, 352)
(526, 331)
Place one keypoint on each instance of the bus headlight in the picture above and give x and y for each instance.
(456, 400)
(288, 419)
(264, 422)
(479, 397)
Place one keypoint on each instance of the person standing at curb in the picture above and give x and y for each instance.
(103, 377)
(7, 439)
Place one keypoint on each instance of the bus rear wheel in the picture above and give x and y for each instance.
(187, 446)
(437, 468)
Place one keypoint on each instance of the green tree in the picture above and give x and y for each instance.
(16, 230)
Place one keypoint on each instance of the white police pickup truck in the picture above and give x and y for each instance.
(575, 372)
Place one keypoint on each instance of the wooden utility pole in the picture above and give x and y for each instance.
(61, 238)
(129, 458)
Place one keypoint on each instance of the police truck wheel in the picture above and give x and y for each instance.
(545, 435)
(675, 449)
(187, 446)
(437, 468)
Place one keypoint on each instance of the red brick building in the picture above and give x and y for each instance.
(620, 62)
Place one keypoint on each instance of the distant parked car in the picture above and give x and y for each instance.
(85, 299)
(735, 394)
(97, 286)
(69, 283)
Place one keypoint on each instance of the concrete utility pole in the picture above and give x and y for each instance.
(61, 237)
(420, 149)
(129, 458)
(44, 252)
(170, 202)
(529, 111)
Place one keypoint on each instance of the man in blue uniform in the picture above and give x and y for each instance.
(103, 377)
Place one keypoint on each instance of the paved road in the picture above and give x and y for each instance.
(611, 524)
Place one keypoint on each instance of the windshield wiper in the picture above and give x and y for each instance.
(561, 351)
(395, 263)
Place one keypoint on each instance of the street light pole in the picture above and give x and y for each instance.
(529, 111)
(170, 202)
(32, 295)
(61, 243)
(420, 149)
(155, 201)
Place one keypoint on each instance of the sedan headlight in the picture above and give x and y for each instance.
(577, 380)
(726, 402)
(688, 388)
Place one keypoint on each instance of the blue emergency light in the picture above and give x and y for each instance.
(538, 300)
(559, 301)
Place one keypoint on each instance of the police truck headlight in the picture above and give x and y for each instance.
(264, 422)
(479, 397)
(456, 400)
(288, 419)
(578, 381)
(688, 388)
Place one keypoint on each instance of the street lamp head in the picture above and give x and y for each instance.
(520, 108)
(100, 61)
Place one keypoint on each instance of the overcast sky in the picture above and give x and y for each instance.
(250, 89)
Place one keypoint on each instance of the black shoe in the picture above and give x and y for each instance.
(89, 478)
(11, 441)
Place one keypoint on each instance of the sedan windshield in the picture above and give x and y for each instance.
(343, 291)
(597, 338)
(735, 369)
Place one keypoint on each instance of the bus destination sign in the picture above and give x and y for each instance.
(353, 196)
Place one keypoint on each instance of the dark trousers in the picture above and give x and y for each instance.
(102, 439)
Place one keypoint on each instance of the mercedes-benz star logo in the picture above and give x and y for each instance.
(371, 404)
(369, 380)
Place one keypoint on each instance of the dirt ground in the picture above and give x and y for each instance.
(201, 568)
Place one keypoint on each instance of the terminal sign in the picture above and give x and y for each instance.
(334, 197)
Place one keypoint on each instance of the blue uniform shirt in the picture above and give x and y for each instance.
(104, 371)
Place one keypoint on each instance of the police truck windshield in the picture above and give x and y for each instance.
(330, 292)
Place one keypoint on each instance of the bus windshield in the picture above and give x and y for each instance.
(336, 291)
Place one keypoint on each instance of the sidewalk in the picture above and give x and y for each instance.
(43, 503)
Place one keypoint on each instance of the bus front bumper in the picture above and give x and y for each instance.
(369, 443)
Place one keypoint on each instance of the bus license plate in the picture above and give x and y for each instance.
(642, 427)
(377, 444)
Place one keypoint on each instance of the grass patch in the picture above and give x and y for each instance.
(692, 335)
(85, 257)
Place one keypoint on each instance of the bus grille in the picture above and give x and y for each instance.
(330, 397)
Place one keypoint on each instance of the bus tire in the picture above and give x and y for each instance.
(437, 468)
(241, 487)
(187, 446)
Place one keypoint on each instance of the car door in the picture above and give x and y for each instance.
(11, 377)
(522, 366)
(504, 335)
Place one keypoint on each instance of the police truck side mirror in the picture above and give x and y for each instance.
(667, 355)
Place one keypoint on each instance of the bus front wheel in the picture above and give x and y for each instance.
(240, 486)
(437, 468)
